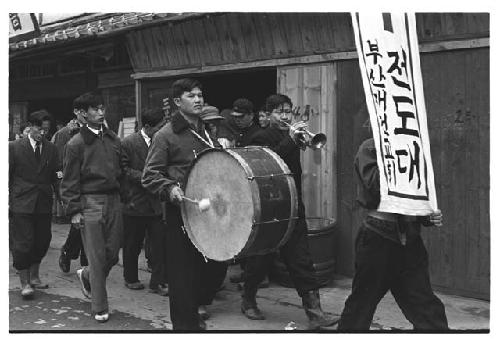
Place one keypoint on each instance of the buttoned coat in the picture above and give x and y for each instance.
(136, 199)
(31, 183)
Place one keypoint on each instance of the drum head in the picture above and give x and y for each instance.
(220, 232)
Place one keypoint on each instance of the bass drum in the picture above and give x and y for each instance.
(253, 202)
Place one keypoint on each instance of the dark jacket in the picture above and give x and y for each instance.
(368, 196)
(91, 165)
(280, 142)
(366, 169)
(172, 150)
(136, 199)
(244, 137)
(61, 138)
(30, 183)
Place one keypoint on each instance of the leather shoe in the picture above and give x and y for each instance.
(237, 278)
(64, 262)
(161, 289)
(202, 324)
(102, 316)
(251, 311)
(202, 312)
(27, 292)
(264, 283)
(84, 284)
(135, 285)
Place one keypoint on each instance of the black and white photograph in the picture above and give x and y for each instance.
(244, 171)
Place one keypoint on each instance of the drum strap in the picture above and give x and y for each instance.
(209, 143)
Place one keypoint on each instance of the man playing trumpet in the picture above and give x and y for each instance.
(286, 139)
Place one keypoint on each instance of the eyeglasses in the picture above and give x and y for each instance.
(281, 111)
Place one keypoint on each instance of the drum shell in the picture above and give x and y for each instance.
(321, 235)
(274, 200)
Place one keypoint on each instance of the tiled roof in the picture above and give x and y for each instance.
(100, 26)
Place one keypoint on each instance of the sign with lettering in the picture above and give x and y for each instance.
(20, 23)
(389, 60)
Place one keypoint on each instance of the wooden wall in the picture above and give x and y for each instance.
(456, 86)
(238, 37)
(451, 26)
(314, 85)
(352, 114)
(229, 38)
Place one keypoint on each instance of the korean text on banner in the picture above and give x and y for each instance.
(389, 60)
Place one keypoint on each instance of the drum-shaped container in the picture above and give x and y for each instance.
(253, 202)
(321, 240)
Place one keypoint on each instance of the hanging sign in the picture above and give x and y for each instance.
(21, 23)
(389, 60)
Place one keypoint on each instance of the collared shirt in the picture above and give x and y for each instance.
(95, 131)
(147, 139)
(33, 143)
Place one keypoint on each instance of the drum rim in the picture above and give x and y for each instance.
(254, 188)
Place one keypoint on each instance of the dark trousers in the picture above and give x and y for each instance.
(30, 236)
(184, 263)
(102, 235)
(213, 274)
(147, 249)
(382, 265)
(134, 232)
(297, 258)
(73, 246)
(158, 252)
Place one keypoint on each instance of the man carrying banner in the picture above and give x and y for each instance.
(389, 255)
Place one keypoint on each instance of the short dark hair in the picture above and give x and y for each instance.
(23, 126)
(184, 85)
(276, 100)
(36, 118)
(86, 100)
(152, 116)
(243, 105)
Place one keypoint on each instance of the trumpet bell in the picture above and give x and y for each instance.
(318, 141)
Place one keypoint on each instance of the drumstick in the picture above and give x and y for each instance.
(203, 204)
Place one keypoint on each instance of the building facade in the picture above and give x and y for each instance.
(311, 57)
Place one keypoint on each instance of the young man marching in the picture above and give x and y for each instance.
(72, 247)
(390, 256)
(141, 211)
(34, 168)
(90, 194)
(285, 139)
(173, 149)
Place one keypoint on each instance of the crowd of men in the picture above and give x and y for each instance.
(117, 193)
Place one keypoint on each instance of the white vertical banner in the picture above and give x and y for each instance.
(389, 60)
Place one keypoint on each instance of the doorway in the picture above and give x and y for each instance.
(219, 89)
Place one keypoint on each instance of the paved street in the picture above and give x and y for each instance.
(63, 307)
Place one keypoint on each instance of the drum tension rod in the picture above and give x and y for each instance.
(274, 220)
(268, 176)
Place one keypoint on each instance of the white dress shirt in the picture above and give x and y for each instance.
(95, 131)
(147, 139)
(33, 144)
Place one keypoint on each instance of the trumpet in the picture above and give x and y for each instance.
(313, 140)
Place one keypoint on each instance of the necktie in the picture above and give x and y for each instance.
(37, 151)
(100, 135)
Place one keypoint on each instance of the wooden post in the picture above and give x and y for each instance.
(138, 103)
